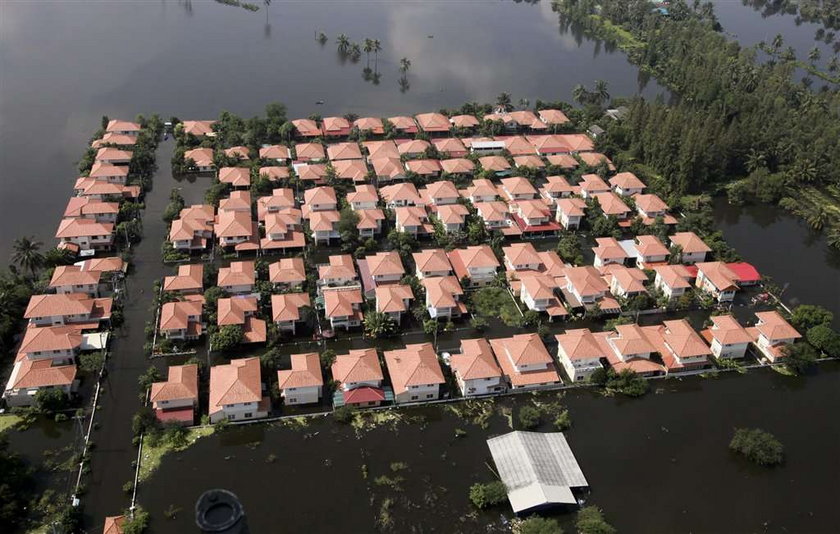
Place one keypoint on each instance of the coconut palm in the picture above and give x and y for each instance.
(777, 42)
(379, 325)
(355, 52)
(601, 92)
(405, 64)
(580, 94)
(322, 38)
(404, 85)
(377, 47)
(833, 238)
(368, 48)
(818, 218)
(814, 54)
(26, 254)
(503, 101)
(755, 160)
(343, 43)
(834, 64)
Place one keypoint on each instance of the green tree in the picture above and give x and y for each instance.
(343, 43)
(26, 254)
(17, 486)
(485, 495)
(590, 520)
(379, 325)
(227, 337)
(758, 446)
(503, 102)
(405, 64)
(799, 357)
(602, 94)
(529, 417)
(806, 316)
(536, 525)
(825, 339)
(48, 401)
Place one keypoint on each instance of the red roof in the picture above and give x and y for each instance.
(185, 414)
(363, 395)
(744, 271)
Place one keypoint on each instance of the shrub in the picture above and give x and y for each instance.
(227, 337)
(536, 525)
(799, 357)
(529, 417)
(758, 446)
(486, 495)
(479, 323)
(50, 400)
(825, 339)
(563, 421)
(344, 414)
(807, 316)
(590, 520)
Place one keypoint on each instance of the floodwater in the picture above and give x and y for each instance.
(782, 246)
(655, 464)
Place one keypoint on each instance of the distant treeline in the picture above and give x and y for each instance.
(825, 12)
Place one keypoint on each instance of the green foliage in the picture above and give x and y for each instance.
(169, 254)
(825, 339)
(48, 401)
(91, 362)
(590, 520)
(380, 325)
(536, 525)
(799, 357)
(758, 446)
(569, 249)
(626, 382)
(806, 316)
(138, 523)
(227, 337)
(327, 358)
(488, 494)
(479, 323)
(144, 421)
(496, 302)
(16, 486)
(173, 209)
(344, 414)
(563, 421)
(529, 417)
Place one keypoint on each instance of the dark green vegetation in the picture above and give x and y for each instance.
(488, 494)
(758, 446)
(590, 520)
(739, 124)
(626, 382)
(826, 12)
(536, 525)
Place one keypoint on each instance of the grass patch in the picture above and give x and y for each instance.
(623, 38)
(477, 412)
(297, 423)
(8, 421)
(153, 454)
(364, 421)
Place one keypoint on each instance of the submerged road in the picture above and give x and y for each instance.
(111, 459)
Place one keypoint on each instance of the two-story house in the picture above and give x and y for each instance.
(415, 373)
(181, 320)
(236, 392)
(343, 307)
(72, 279)
(175, 400)
(579, 353)
(728, 339)
(303, 383)
(359, 376)
(238, 278)
(570, 212)
(287, 273)
(476, 265)
(286, 310)
(525, 361)
(771, 334)
(443, 297)
(476, 370)
(692, 248)
(66, 309)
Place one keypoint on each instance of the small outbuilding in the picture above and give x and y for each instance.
(538, 469)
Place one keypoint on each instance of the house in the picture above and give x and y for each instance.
(277, 153)
(274, 173)
(415, 373)
(517, 145)
(413, 220)
(496, 216)
(530, 161)
(303, 383)
(72, 279)
(404, 194)
(176, 399)
(728, 339)
(237, 177)
(242, 153)
(650, 251)
(629, 348)
(199, 128)
(67, 309)
(114, 524)
(339, 272)
(193, 228)
(537, 292)
(626, 282)
(287, 273)
(236, 391)
(59, 344)
(86, 234)
(31, 376)
(716, 279)
(577, 142)
(282, 231)
(564, 161)
(592, 184)
(286, 310)
(476, 265)
(238, 278)
(307, 128)
(433, 122)
(381, 150)
(116, 126)
(443, 297)
(481, 190)
(359, 376)
(533, 216)
(612, 205)
(553, 117)
(350, 169)
(324, 226)
(441, 193)
(202, 159)
(488, 146)
(236, 201)
(403, 125)
(650, 207)
(586, 287)
(458, 167)
(90, 208)
(241, 311)
(425, 168)
(315, 173)
(105, 191)
(525, 361)
(320, 199)
(452, 216)
(608, 251)
(517, 188)
(388, 169)
(431, 262)
(188, 281)
(310, 152)
(476, 370)
(393, 300)
(181, 320)
(343, 307)
(579, 353)
(380, 268)
(451, 147)
(463, 121)
(413, 148)
(336, 127)
(521, 257)
(105, 172)
(114, 139)
(771, 334)
(281, 199)
(745, 273)
(680, 347)
(372, 125)
(112, 267)
(692, 248)
(548, 145)
(673, 280)
(593, 159)
(555, 188)
(627, 184)
(113, 156)
(370, 222)
(344, 151)
(496, 164)
(570, 211)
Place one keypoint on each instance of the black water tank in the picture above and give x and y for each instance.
(219, 511)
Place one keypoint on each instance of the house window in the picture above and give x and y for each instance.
(430, 396)
(247, 415)
(414, 397)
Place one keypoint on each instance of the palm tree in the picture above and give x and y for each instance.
(404, 85)
(26, 254)
(777, 42)
(343, 43)
(814, 54)
(601, 92)
(755, 160)
(355, 52)
(818, 219)
(322, 38)
(377, 47)
(503, 101)
(368, 48)
(405, 64)
(834, 64)
(580, 94)
(833, 238)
